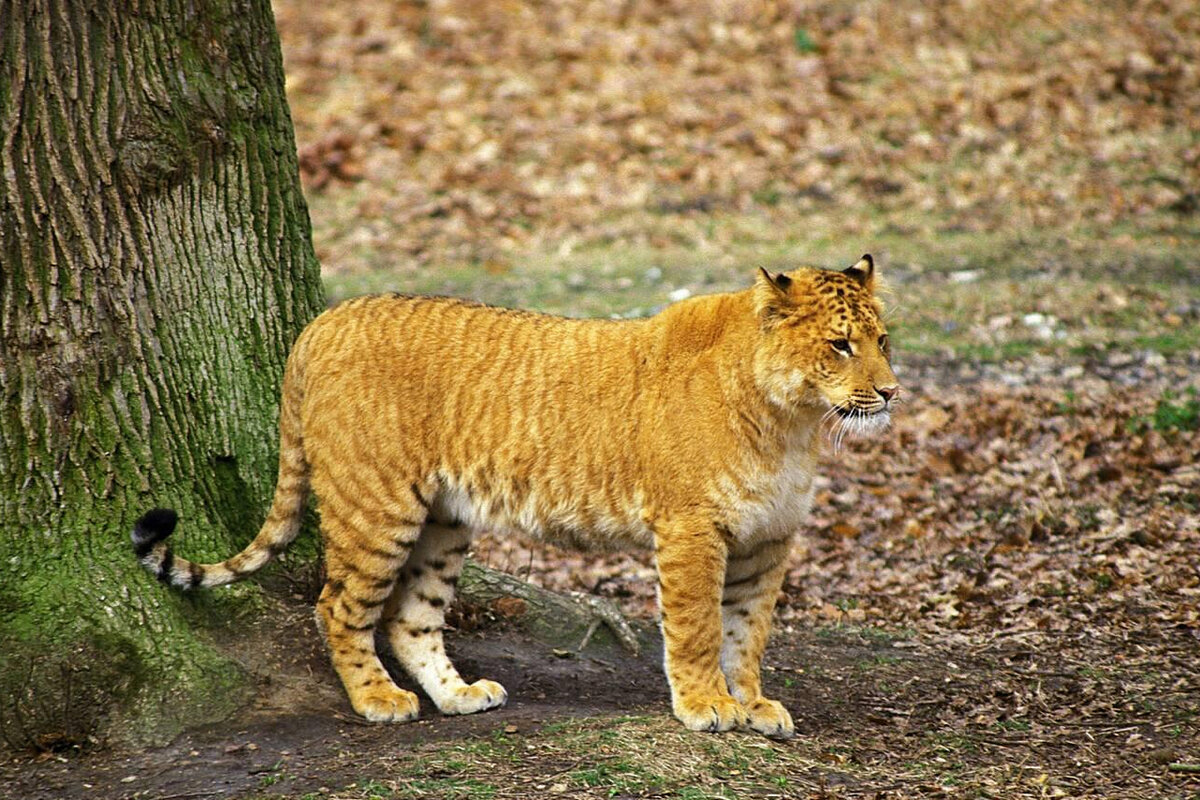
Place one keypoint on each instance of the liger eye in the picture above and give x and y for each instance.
(842, 346)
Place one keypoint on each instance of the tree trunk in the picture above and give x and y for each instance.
(155, 266)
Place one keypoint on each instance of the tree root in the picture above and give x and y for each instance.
(563, 620)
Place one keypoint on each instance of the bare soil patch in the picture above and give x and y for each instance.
(881, 713)
(302, 719)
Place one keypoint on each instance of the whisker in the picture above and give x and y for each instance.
(831, 413)
(843, 425)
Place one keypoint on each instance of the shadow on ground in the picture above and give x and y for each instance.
(304, 720)
(879, 715)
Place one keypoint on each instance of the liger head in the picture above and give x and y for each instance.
(825, 345)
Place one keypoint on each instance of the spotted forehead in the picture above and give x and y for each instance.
(847, 304)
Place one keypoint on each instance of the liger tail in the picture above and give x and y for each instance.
(150, 532)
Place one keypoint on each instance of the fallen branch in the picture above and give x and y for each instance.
(572, 621)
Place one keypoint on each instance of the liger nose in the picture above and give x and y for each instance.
(888, 393)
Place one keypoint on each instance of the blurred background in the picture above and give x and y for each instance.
(1026, 174)
(468, 134)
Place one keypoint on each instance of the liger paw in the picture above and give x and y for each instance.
(769, 718)
(479, 696)
(386, 704)
(710, 713)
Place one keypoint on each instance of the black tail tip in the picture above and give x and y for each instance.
(151, 528)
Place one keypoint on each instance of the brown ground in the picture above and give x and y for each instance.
(451, 132)
(303, 721)
(879, 716)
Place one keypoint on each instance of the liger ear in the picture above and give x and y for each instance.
(771, 295)
(779, 280)
(863, 271)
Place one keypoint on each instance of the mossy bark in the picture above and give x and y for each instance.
(155, 266)
(569, 623)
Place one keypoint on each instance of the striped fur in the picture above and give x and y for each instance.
(695, 432)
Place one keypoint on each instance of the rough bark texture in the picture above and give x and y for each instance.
(155, 266)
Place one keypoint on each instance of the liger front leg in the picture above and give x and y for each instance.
(752, 583)
(691, 566)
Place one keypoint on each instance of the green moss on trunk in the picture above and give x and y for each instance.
(155, 267)
(77, 670)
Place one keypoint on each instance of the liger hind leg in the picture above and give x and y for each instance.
(363, 556)
(691, 565)
(415, 615)
(752, 582)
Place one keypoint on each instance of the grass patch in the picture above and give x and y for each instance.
(602, 757)
(871, 635)
(453, 788)
(1173, 412)
(980, 297)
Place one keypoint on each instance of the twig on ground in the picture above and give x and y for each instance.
(1179, 766)
(606, 611)
(587, 637)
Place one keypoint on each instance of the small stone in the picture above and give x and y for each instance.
(1119, 358)
(1140, 63)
